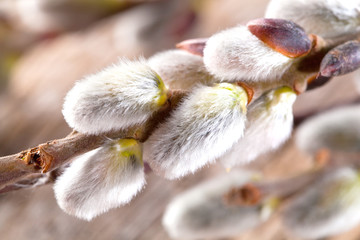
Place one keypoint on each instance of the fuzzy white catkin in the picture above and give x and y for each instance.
(201, 213)
(236, 54)
(33, 16)
(180, 69)
(336, 129)
(269, 124)
(327, 18)
(118, 97)
(205, 125)
(329, 207)
(104, 178)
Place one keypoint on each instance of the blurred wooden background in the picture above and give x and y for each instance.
(39, 64)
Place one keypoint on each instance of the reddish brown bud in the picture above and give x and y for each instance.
(322, 157)
(247, 195)
(281, 35)
(194, 46)
(341, 60)
(249, 90)
(317, 81)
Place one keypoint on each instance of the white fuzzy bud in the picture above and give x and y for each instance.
(326, 18)
(329, 207)
(269, 124)
(118, 97)
(180, 69)
(104, 178)
(202, 213)
(337, 129)
(236, 54)
(205, 125)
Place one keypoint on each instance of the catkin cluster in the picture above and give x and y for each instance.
(240, 89)
(217, 119)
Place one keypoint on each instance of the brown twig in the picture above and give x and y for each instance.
(255, 193)
(298, 119)
(48, 156)
(54, 154)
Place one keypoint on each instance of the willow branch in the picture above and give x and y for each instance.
(54, 154)
(298, 119)
(254, 193)
(31, 164)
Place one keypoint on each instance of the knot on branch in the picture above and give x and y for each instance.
(38, 158)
